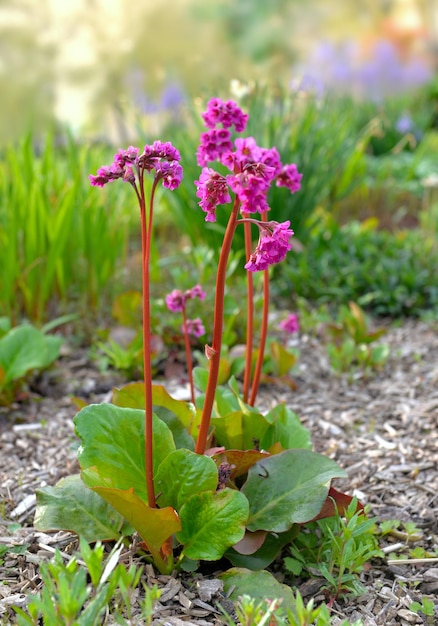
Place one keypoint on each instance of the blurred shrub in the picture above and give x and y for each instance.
(388, 274)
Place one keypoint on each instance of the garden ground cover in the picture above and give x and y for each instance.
(381, 430)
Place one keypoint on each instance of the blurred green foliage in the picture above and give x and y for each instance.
(385, 273)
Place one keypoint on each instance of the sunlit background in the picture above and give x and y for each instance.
(90, 64)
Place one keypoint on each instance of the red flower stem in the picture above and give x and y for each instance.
(146, 236)
(217, 331)
(249, 313)
(188, 356)
(263, 333)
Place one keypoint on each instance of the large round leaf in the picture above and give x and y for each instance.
(183, 474)
(212, 522)
(112, 451)
(288, 488)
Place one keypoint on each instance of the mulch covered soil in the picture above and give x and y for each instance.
(382, 430)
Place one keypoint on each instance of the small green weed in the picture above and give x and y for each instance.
(251, 612)
(352, 338)
(337, 550)
(68, 598)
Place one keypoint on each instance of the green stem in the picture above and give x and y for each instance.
(188, 356)
(249, 313)
(263, 333)
(146, 235)
(215, 351)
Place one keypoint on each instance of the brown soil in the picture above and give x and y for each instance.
(381, 430)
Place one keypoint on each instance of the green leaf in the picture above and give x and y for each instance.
(132, 396)
(285, 429)
(183, 474)
(258, 585)
(239, 430)
(283, 358)
(70, 505)
(26, 348)
(288, 488)
(112, 450)
(212, 522)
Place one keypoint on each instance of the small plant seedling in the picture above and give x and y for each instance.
(68, 598)
(351, 342)
(337, 549)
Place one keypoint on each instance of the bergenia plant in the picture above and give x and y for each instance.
(216, 478)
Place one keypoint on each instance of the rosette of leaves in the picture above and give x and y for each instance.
(244, 499)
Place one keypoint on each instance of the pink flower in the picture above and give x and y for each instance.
(289, 177)
(195, 327)
(175, 301)
(214, 145)
(161, 157)
(290, 324)
(213, 190)
(195, 292)
(272, 246)
(226, 113)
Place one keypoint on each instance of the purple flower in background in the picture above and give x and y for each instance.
(290, 324)
(346, 69)
(176, 299)
(404, 124)
(194, 327)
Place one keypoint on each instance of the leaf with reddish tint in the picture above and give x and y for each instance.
(251, 542)
(336, 501)
(240, 460)
(266, 554)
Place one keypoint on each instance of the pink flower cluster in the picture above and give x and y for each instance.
(272, 247)
(176, 302)
(176, 299)
(253, 170)
(290, 325)
(129, 164)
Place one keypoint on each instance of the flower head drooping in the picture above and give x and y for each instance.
(194, 327)
(213, 190)
(290, 325)
(272, 246)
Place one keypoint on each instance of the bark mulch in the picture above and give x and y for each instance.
(382, 430)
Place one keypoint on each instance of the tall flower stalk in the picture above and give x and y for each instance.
(253, 170)
(163, 160)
